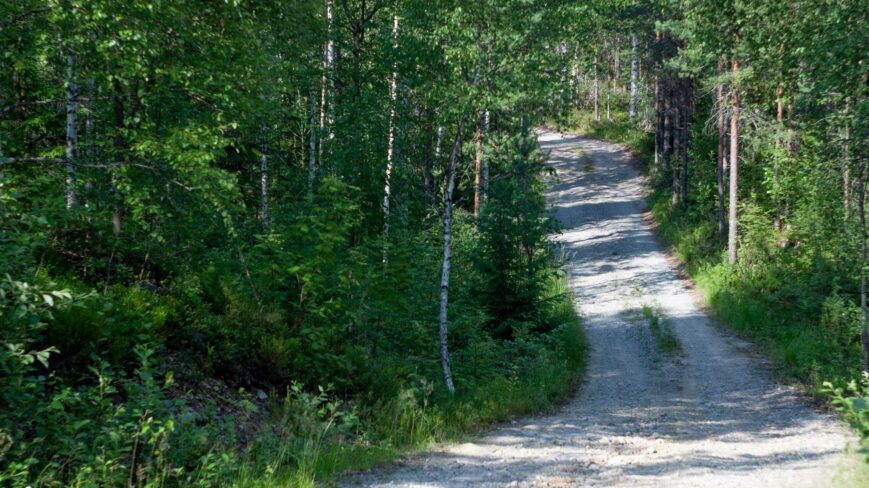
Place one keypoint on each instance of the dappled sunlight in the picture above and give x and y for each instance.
(702, 413)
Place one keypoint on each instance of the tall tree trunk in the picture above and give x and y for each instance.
(864, 323)
(734, 167)
(327, 83)
(264, 181)
(71, 135)
(635, 86)
(437, 158)
(659, 122)
(659, 109)
(776, 175)
(846, 161)
(478, 169)
(118, 148)
(676, 104)
(608, 91)
(312, 139)
(617, 62)
(595, 93)
(666, 138)
(722, 156)
(687, 98)
(2, 175)
(445, 271)
(390, 146)
(484, 181)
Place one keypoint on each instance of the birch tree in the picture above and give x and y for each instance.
(390, 143)
(71, 134)
(734, 166)
(635, 87)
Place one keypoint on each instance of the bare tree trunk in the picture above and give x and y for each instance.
(327, 82)
(659, 125)
(722, 156)
(846, 162)
(608, 91)
(264, 181)
(484, 181)
(617, 62)
(676, 103)
(2, 175)
(118, 147)
(71, 135)
(776, 177)
(595, 93)
(390, 149)
(478, 170)
(312, 139)
(687, 98)
(864, 323)
(634, 78)
(668, 119)
(659, 109)
(734, 167)
(437, 160)
(445, 272)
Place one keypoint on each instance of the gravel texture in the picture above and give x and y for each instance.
(645, 416)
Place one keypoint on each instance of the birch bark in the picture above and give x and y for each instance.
(595, 93)
(447, 260)
(632, 111)
(71, 135)
(390, 145)
(734, 167)
(264, 182)
(720, 103)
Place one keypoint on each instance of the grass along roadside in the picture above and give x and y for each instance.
(541, 375)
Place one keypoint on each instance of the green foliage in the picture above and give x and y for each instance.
(514, 224)
(853, 402)
(665, 338)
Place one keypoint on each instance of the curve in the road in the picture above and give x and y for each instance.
(703, 413)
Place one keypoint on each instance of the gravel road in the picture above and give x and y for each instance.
(701, 413)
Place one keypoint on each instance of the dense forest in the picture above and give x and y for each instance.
(261, 243)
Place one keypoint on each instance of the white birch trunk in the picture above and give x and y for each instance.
(264, 182)
(71, 135)
(445, 271)
(596, 93)
(720, 103)
(327, 82)
(478, 169)
(634, 78)
(734, 168)
(609, 90)
(485, 163)
(864, 313)
(390, 147)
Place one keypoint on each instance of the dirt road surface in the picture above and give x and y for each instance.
(681, 404)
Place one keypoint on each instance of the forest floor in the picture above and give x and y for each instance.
(670, 399)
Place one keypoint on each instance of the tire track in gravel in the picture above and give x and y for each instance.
(707, 417)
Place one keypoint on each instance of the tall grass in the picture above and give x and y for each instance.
(539, 376)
